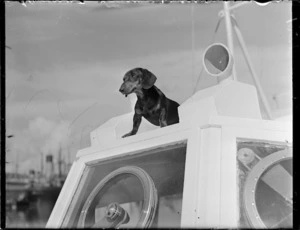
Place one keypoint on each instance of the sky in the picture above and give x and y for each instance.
(67, 61)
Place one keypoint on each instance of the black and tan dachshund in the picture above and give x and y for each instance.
(151, 104)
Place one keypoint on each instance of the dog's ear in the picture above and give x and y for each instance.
(147, 79)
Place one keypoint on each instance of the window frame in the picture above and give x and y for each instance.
(130, 147)
(229, 177)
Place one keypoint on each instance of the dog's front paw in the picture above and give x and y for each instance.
(127, 135)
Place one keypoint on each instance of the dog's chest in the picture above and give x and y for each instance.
(153, 118)
(151, 112)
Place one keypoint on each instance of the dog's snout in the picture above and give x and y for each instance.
(121, 89)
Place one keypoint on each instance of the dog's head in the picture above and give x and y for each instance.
(137, 79)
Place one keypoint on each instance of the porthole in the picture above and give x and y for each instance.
(267, 194)
(109, 204)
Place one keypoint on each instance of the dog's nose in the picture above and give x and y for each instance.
(121, 90)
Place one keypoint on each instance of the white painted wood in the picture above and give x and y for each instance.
(229, 98)
(66, 194)
(229, 206)
(113, 143)
(285, 126)
(208, 203)
(191, 196)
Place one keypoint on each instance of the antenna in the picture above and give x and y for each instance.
(232, 23)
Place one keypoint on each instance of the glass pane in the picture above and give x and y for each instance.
(125, 190)
(265, 184)
(273, 196)
(165, 165)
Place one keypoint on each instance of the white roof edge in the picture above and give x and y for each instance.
(214, 121)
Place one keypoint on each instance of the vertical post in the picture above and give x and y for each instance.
(229, 34)
(59, 162)
(42, 163)
(253, 74)
(17, 163)
(49, 166)
(193, 38)
(69, 161)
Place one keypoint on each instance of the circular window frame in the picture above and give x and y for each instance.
(228, 70)
(150, 195)
(252, 181)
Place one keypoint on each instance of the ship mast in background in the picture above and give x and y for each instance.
(59, 162)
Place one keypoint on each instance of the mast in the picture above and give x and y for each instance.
(228, 21)
(42, 163)
(17, 163)
(229, 35)
(59, 161)
(69, 160)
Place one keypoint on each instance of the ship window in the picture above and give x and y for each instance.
(265, 185)
(139, 190)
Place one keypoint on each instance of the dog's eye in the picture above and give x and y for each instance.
(133, 78)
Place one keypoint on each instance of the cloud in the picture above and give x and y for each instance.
(40, 127)
(41, 136)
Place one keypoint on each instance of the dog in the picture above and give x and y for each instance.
(151, 103)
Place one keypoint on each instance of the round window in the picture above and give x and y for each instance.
(268, 192)
(217, 61)
(125, 198)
